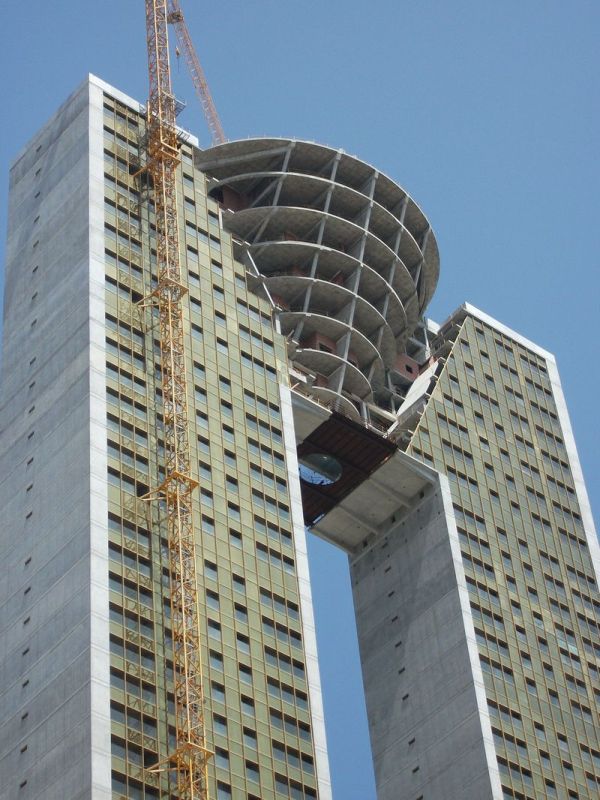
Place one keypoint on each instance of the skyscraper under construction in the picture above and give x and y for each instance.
(440, 458)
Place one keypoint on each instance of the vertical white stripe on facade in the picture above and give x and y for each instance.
(99, 614)
(305, 595)
(471, 641)
(578, 482)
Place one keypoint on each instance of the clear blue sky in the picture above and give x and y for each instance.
(487, 112)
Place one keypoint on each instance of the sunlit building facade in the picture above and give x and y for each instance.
(440, 459)
(87, 666)
(496, 424)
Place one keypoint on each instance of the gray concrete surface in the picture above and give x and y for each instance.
(51, 638)
(430, 733)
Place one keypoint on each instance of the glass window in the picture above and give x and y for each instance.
(223, 791)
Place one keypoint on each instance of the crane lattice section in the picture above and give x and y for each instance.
(189, 759)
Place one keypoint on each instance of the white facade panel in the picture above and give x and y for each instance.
(430, 734)
(44, 456)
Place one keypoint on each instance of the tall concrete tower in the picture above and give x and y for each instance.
(439, 458)
(87, 678)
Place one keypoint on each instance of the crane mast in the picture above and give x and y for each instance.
(189, 759)
(184, 40)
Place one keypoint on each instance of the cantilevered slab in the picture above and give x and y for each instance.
(377, 480)
(396, 485)
(367, 259)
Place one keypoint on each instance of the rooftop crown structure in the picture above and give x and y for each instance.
(345, 254)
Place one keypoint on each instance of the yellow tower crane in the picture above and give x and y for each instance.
(190, 757)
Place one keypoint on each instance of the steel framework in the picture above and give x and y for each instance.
(184, 39)
(190, 757)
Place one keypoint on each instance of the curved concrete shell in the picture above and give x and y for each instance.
(347, 256)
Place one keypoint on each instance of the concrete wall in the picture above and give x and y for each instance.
(430, 732)
(309, 635)
(46, 605)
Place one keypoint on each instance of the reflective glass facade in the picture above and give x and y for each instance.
(258, 714)
(495, 425)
